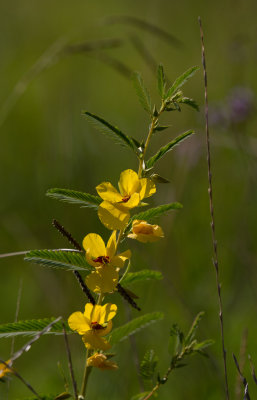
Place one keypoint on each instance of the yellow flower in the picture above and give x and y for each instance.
(105, 261)
(94, 323)
(114, 210)
(144, 232)
(4, 369)
(99, 360)
(99, 255)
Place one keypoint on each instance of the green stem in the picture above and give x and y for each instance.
(87, 372)
(150, 133)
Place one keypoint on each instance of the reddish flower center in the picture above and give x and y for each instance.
(95, 326)
(126, 198)
(102, 260)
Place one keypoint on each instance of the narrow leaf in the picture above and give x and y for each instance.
(155, 212)
(142, 93)
(68, 261)
(74, 197)
(112, 131)
(143, 275)
(190, 102)
(163, 150)
(148, 365)
(31, 327)
(180, 81)
(191, 334)
(161, 81)
(124, 331)
(203, 345)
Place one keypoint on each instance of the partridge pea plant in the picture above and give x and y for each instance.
(102, 268)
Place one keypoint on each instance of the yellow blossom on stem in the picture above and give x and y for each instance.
(93, 324)
(114, 210)
(144, 232)
(107, 264)
(4, 370)
(100, 360)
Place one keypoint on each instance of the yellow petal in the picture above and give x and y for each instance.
(129, 182)
(103, 280)
(4, 369)
(111, 245)
(108, 192)
(79, 322)
(147, 188)
(133, 201)
(112, 216)
(100, 361)
(94, 246)
(108, 312)
(144, 232)
(93, 341)
(119, 260)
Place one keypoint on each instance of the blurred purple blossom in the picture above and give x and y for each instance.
(236, 108)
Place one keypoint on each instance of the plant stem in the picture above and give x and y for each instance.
(150, 132)
(214, 241)
(87, 372)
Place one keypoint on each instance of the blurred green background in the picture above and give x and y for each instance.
(45, 143)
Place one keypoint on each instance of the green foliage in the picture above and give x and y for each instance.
(148, 365)
(190, 102)
(165, 149)
(140, 276)
(32, 327)
(142, 92)
(124, 331)
(161, 81)
(140, 396)
(61, 396)
(180, 81)
(191, 333)
(112, 131)
(67, 260)
(155, 212)
(74, 197)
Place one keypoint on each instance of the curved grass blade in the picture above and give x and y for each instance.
(74, 197)
(112, 131)
(161, 81)
(163, 150)
(68, 261)
(124, 331)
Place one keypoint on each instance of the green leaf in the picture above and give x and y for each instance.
(50, 397)
(140, 396)
(165, 149)
(124, 331)
(191, 334)
(74, 197)
(143, 275)
(190, 102)
(180, 81)
(112, 131)
(155, 212)
(32, 327)
(161, 81)
(142, 93)
(160, 128)
(67, 260)
(203, 345)
(148, 365)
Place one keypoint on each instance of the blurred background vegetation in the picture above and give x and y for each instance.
(45, 143)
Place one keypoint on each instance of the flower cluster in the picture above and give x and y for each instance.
(114, 213)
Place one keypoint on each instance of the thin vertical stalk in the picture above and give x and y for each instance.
(87, 371)
(210, 191)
